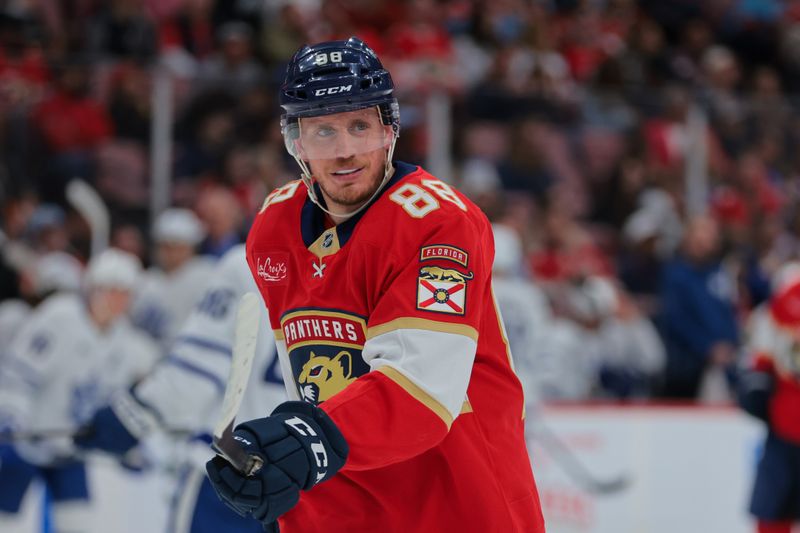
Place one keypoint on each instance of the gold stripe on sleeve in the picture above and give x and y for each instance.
(413, 389)
(422, 323)
(278, 334)
(466, 407)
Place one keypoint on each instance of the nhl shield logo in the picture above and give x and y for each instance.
(442, 290)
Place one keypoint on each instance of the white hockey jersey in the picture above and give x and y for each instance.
(164, 301)
(186, 389)
(60, 368)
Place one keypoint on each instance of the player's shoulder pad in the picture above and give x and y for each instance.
(279, 196)
(233, 270)
(428, 199)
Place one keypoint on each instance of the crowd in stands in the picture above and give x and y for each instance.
(572, 129)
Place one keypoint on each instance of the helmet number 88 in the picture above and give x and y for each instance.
(324, 59)
(418, 202)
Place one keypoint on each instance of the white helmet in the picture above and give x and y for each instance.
(113, 268)
(178, 225)
(57, 271)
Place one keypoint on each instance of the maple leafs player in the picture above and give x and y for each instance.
(185, 391)
(69, 356)
(169, 291)
(405, 412)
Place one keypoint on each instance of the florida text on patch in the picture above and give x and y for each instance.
(444, 251)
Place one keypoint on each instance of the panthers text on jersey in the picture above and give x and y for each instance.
(388, 321)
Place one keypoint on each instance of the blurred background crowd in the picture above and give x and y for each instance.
(638, 158)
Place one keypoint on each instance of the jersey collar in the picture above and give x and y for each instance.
(312, 218)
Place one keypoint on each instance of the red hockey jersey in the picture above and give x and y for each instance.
(388, 322)
(774, 347)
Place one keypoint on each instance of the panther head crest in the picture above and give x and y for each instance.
(322, 376)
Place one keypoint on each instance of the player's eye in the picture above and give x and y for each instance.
(359, 126)
(325, 132)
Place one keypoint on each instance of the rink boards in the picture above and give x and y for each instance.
(690, 470)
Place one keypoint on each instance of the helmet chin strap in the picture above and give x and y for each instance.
(308, 181)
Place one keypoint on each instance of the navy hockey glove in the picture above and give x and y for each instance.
(106, 432)
(120, 426)
(754, 393)
(300, 445)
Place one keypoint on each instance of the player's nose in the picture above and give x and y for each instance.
(346, 146)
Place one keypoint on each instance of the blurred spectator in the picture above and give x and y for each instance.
(629, 351)
(727, 110)
(234, 68)
(219, 210)
(24, 73)
(206, 134)
(129, 238)
(286, 29)
(190, 29)
(567, 250)
(121, 29)
(71, 126)
(698, 316)
(129, 102)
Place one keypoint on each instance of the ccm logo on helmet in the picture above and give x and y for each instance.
(333, 90)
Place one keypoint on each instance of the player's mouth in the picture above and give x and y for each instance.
(347, 174)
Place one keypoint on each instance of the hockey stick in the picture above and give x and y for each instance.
(574, 468)
(244, 349)
(87, 202)
(33, 436)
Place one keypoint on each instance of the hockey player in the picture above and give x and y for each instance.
(406, 414)
(769, 389)
(169, 290)
(70, 354)
(185, 391)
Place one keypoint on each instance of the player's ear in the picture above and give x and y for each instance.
(388, 136)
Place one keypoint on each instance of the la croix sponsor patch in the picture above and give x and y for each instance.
(442, 290)
(273, 267)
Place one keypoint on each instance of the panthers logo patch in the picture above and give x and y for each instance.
(324, 351)
(322, 377)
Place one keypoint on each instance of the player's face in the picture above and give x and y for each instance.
(107, 305)
(346, 153)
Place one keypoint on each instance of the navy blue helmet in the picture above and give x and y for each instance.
(335, 77)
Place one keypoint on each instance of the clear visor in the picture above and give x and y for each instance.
(340, 135)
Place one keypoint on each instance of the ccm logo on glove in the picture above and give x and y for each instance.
(316, 447)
